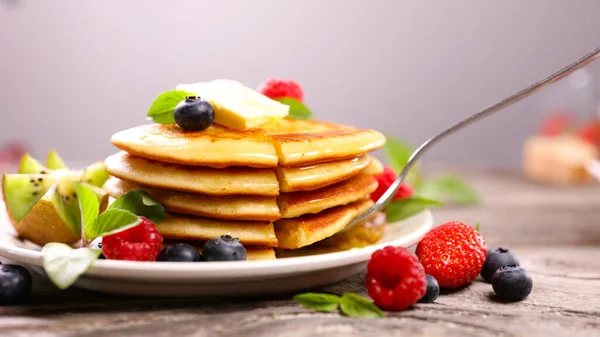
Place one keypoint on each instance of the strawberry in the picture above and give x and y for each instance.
(453, 253)
(590, 132)
(556, 124)
(12, 152)
(385, 180)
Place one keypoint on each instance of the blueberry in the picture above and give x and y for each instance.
(512, 283)
(497, 258)
(194, 114)
(179, 253)
(433, 290)
(15, 283)
(224, 248)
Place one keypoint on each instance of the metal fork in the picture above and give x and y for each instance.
(385, 199)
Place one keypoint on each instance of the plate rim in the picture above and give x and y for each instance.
(207, 270)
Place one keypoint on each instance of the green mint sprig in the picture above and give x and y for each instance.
(297, 109)
(399, 210)
(140, 203)
(161, 110)
(450, 188)
(350, 304)
(63, 264)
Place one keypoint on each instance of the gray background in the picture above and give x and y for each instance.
(74, 72)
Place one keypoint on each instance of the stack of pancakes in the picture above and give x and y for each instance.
(286, 185)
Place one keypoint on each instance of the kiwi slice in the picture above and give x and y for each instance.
(30, 165)
(23, 191)
(65, 200)
(54, 162)
(95, 174)
(43, 206)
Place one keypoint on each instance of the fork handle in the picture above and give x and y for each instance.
(385, 199)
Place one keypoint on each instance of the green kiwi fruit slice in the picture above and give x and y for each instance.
(30, 165)
(54, 191)
(54, 162)
(23, 191)
(95, 174)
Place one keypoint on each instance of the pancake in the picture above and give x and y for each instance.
(287, 142)
(252, 208)
(250, 233)
(312, 177)
(293, 205)
(374, 168)
(238, 207)
(305, 230)
(365, 234)
(252, 253)
(219, 182)
(217, 146)
(313, 142)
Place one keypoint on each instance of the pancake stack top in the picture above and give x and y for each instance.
(286, 185)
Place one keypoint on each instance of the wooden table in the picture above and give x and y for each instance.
(555, 232)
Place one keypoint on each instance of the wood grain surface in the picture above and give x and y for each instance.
(554, 230)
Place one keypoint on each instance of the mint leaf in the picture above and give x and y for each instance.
(89, 206)
(122, 214)
(140, 203)
(318, 302)
(297, 109)
(354, 305)
(64, 265)
(404, 208)
(397, 153)
(451, 188)
(112, 221)
(477, 227)
(161, 110)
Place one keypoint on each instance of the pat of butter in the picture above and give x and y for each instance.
(237, 106)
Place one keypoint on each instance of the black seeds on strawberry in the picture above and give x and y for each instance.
(512, 283)
(495, 259)
(433, 290)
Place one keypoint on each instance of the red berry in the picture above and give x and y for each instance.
(453, 253)
(590, 133)
(385, 180)
(395, 278)
(556, 124)
(277, 88)
(140, 243)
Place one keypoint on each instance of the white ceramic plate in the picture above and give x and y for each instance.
(244, 278)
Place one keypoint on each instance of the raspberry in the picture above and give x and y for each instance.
(140, 243)
(385, 180)
(395, 278)
(277, 88)
(453, 253)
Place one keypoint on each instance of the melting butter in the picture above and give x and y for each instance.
(237, 106)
